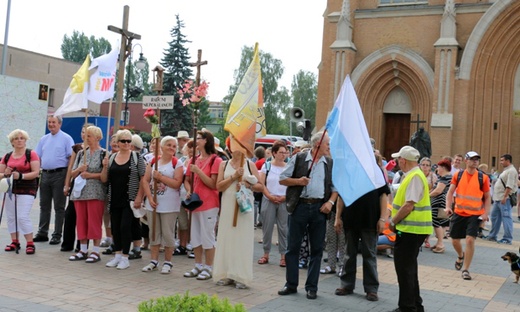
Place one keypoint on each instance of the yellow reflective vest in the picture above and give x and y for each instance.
(419, 221)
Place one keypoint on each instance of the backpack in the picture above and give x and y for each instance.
(480, 178)
(27, 156)
(174, 161)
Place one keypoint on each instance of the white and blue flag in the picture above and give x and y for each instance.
(355, 170)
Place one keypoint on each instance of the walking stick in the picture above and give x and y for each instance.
(2, 212)
(16, 224)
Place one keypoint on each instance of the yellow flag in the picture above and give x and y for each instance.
(245, 119)
(75, 98)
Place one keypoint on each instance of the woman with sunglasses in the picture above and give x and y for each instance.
(123, 171)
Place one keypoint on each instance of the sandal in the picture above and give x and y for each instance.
(327, 270)
(109, 250)
(150, 267)
(79, 256)
(13, 246)
(225, 282)
(166, 268)
(30, 249)
(427, 244)
(459, 263)
(205, 274)
(193, 272)
(282, 263)
(439, 249)
(263, 260)
(93, 258)
(465, 275)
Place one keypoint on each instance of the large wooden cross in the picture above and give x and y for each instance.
(126, 49)
(418, 122)
(198, 64)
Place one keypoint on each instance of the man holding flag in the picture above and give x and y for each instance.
(362, 188)
(310, 174)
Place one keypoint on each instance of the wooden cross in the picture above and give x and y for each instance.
(198, 64)
(126, 47)
(418, 122)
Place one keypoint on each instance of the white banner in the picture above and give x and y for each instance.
(158, 101)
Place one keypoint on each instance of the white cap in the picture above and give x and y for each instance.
(407, 152)
(472, 154)
(137, 141)
(183, 134)
(300, 144)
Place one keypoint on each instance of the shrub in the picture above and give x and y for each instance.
(187, 303)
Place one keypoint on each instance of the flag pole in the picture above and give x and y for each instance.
(235, 215)
(85, 145)
(108, 138)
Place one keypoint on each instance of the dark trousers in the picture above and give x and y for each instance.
(368, 250)
(51, 190)
(406, 250)
(305, 217)
(121, 219)
(69, 227)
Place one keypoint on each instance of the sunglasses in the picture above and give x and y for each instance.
(125, 141)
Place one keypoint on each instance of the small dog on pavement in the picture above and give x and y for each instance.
(514, 261)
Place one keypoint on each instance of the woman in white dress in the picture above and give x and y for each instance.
(234, 255)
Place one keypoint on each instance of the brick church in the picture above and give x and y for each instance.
(449, 66)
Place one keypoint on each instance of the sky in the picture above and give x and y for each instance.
(290, 30)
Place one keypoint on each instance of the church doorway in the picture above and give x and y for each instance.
(397, 130)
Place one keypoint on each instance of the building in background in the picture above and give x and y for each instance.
(454, 64)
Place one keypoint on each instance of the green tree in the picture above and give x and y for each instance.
(304, 90)
(204, 116)
(76, 47)
(176, 64)
(276, 100)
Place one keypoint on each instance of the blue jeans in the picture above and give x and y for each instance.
(305, 216)
(502, 214)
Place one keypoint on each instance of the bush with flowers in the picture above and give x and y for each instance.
(192, 94)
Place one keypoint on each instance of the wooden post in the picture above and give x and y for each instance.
(235, 215)
(159, 88)
(126, 46)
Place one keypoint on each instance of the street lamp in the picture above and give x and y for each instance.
(135, 91)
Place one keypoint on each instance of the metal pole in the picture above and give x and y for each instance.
(128, 75)
(6, 36)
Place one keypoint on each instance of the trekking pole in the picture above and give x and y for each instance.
(2, 212)
(16, 224)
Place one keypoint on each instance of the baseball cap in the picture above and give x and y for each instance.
(407, 152)
(472, 154)
(183, 134)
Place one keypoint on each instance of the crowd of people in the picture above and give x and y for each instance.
(180, 198)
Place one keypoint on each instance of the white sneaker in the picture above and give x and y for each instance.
(166, 268)
(189, 247)
(123, 263)
(113, 262)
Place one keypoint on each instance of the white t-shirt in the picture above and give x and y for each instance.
(273, 180)
(168, 199)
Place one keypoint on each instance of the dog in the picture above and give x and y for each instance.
(514, 260)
